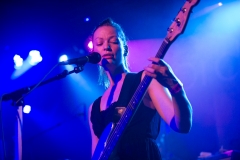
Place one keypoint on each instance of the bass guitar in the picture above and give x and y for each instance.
(107, 143)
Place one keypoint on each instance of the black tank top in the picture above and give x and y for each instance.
(138, 140)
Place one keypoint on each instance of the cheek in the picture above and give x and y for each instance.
(94, 49)
(117, 49)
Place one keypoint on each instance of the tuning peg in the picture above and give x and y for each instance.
(178, 21)
(183, 10)
(170, 30)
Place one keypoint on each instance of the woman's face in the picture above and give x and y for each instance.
(108, 44)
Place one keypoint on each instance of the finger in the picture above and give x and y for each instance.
(158, 61)
(158, 67)
(149, 69)
(150, 74)
(154, 59)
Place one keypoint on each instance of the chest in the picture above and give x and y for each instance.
(110, 96)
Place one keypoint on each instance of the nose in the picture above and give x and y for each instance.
(107, 47)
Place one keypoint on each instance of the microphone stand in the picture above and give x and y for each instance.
(17, 96)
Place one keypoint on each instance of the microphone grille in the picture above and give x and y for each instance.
(94, 57)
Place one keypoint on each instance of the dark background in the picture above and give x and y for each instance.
(206, 58)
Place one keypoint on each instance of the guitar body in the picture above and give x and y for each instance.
(101, 143)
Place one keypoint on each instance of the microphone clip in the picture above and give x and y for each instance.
(78, 68)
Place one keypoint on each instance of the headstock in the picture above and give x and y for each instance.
(179, 23)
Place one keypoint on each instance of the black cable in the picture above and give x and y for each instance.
(38, 83)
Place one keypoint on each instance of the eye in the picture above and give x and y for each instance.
(98, 42)
(115, 41)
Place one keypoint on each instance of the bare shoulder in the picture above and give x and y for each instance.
(90, 108)
(89, 112)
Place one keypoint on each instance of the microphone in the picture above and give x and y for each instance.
(93, 57)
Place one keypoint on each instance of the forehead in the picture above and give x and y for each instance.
(105, 32)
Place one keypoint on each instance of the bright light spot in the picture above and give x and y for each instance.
(87, 19)
(35, 57)
(63, 58)
(220, 4)
(90, 45)
(27, 109)
(18, 61)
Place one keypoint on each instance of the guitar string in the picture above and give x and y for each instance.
(129, 110)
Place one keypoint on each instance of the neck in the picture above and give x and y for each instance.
(116, 74)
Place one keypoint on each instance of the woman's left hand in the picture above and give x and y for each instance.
(163, 73)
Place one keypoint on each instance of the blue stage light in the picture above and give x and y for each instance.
(26, 109)
(35, 57)
(18, 61)
(90, 45)
(63, 58)
(220, 4)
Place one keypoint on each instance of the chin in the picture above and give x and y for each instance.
(108, 61)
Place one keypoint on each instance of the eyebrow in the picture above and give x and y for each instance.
(108, 38)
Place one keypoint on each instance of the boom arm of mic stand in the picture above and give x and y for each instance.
(15, 95)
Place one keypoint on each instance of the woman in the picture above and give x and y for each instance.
(165, 97)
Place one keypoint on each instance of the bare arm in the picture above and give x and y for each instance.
(94, 137)
(173, 107)
(182, 121)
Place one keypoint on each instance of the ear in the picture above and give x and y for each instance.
(125, 50)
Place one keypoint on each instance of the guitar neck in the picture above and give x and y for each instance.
(163, 49)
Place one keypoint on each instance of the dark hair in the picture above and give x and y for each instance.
(103, 79)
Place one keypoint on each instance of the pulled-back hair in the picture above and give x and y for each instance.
(103, 79)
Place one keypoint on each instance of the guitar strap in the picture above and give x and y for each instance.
(129, 86)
